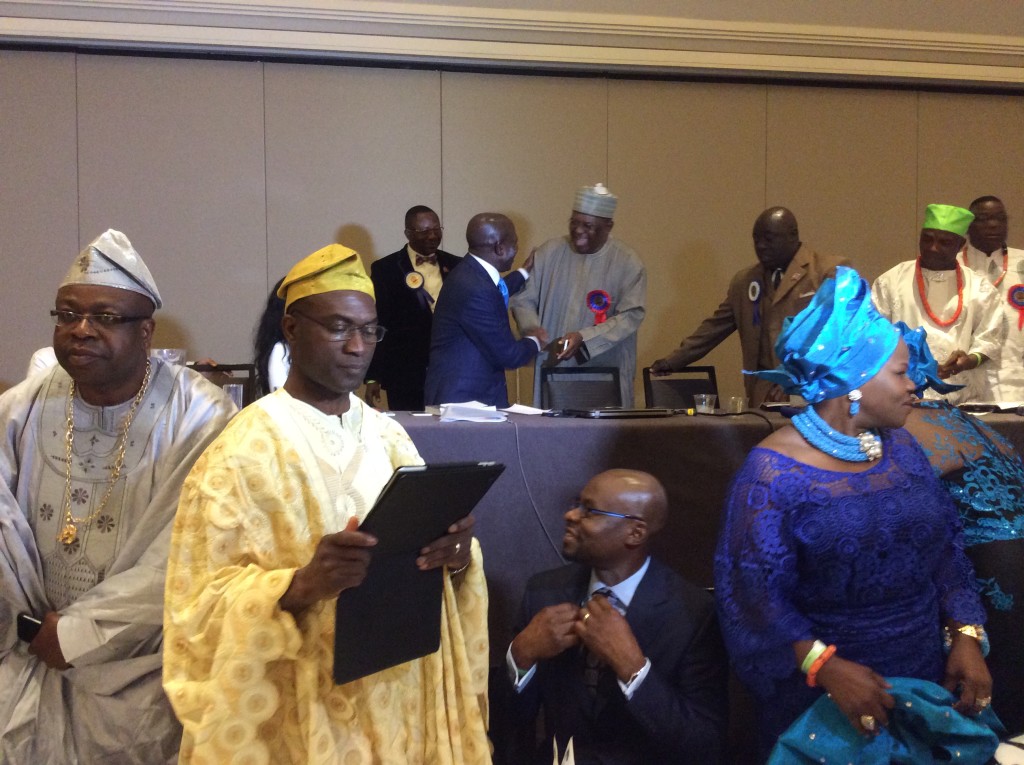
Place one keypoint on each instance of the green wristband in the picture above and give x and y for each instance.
(812, 656)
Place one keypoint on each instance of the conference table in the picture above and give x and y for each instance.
(548, 460)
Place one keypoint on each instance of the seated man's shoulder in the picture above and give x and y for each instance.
(695, 597)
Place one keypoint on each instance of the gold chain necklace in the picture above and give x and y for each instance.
(69, 531)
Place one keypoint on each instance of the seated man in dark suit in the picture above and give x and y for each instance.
(637, 673)
(471, 344)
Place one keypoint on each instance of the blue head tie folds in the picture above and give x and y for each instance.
(923, 727)
(923, 369)
(836, 344)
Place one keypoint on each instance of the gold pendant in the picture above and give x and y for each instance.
(68, 534)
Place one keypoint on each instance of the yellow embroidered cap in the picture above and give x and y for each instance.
(334, 267)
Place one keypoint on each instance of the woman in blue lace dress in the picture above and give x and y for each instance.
(985, 477)
(841, 556)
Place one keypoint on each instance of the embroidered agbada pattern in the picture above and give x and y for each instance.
(109, 584)
(250, 682)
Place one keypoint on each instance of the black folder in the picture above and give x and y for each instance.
(394, 616)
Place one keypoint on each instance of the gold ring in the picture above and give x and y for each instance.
(867, 722)
(983, 703)
(586, 615)
(458, 546)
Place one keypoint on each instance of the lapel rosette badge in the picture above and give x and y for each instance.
(599, 301)
(1016, 297)
(754, 293)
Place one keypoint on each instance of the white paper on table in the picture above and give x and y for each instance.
(523, 409)
(471, 411)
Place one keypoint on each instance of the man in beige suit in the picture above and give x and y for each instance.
(787, 275)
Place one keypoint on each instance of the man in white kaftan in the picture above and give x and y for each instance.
(265, 539)
(987, 253)
(95, 696)
(957, 307)
(588, 290)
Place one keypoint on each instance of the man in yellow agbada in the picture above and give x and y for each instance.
(264, 540)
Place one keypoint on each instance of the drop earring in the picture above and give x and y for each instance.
(854, 396)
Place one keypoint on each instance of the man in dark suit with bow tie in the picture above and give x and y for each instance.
(624, 654)
(407, 283)
(471, 343)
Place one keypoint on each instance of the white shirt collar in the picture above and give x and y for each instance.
(624, 590)
(491, 270)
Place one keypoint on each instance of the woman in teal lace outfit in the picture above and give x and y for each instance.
(985, 477)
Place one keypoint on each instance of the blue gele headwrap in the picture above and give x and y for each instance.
(923, 369)
(836, 344)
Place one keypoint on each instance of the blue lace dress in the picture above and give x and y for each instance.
(985, 477)
(871, 561)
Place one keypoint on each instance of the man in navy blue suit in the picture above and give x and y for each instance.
(624, 654)
(471, 343)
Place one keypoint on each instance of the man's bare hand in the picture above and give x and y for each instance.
(549, 632)
(451, 550)
(46, 646)
(339, 562)
(606, 633)
(571, 343)
(661, 367)
(540, 333)
(528, 263)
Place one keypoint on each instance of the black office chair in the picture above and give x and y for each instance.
(579, 387)
(676, 390)
(230, 374)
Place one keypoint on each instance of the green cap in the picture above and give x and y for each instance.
(947, 218)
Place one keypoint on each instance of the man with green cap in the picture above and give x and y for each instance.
(588, 290)
(265, 539)
(957, 307)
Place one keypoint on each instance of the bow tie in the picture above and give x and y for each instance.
(421, 259)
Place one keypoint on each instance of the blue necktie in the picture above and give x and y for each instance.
(503, 289)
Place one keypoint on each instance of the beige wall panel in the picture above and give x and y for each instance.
(348, 152)
(972, 145)
(520, 146)
(687, 161)
(38, 198)
(171, 152)
(844, 161)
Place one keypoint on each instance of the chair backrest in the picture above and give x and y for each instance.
(676, 390)
(579, 387)
(223, 375)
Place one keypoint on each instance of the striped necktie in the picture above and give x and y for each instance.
(593, 666)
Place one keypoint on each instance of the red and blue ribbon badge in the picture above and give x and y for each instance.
(599, 301)
(1015, 296)
(754, 293)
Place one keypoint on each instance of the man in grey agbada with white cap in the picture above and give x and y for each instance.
(93, 456)
(588, 290)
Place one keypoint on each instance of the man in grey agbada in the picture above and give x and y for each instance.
(92, 460)
(588, 290)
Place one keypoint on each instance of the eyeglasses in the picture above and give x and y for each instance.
(368, 333)
(586, 511)
(437, 230)
(590, 228)
(106, 320)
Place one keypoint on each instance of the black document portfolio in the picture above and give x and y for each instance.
(394, 616)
